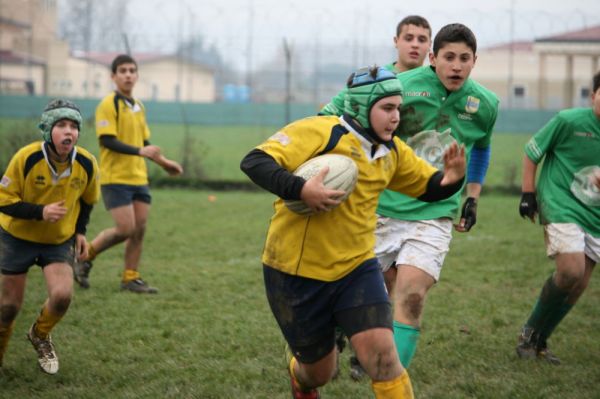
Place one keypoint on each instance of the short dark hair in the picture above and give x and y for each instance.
(120, 60)
(454, 33)
(416, 20)
(596, 82)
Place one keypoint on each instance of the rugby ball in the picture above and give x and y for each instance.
(342, 175)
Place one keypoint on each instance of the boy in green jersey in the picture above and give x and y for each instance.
(568, 193)
(442, 105)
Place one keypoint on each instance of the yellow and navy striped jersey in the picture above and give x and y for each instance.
(327, 246)
(125, 119)
(31, 177)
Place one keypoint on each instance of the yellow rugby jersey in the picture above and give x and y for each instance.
(329, 245)
(29, 178)
(118, 116)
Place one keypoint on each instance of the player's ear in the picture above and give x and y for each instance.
(432, 59)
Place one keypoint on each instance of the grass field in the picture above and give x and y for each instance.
(217, 150)
(209, 332)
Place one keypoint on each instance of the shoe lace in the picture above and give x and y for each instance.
(45, 347)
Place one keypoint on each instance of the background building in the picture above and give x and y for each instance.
(34, 61)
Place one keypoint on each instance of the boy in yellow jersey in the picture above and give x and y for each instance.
(320, 271)
(124, 143)
(46, 196)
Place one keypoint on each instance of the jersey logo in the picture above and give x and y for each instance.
(76, 183)
(40, 180)
(472, 104)
(587, 135)
(102, 123)
(5, 181)
(281, 137)
(583, 186)
(417, 94)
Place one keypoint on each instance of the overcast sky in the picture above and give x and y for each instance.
(238, 27)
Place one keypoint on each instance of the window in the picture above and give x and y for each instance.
(519, 91)
(584, 93)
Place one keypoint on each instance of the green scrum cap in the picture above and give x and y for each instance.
(55, 111)
(367, 86)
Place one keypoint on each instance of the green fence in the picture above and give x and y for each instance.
(517, 121)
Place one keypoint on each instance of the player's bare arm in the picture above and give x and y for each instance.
(150, 151)
(528, 204)
(171, 167)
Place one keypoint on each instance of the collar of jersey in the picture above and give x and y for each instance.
(66, 172)
(371, 150)
(442, 89)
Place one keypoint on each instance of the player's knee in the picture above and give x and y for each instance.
(383, 364)
(8, 313)
(61, 300)
(413, 304)
(569, 279)
(122, 233)
(317, 377)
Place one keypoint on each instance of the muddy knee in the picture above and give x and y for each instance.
(8, 313)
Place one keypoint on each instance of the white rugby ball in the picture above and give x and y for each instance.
(342, 175)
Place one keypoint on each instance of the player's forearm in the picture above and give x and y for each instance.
(264, 171)
(528, 180)
(473, 190)
(436, 191)
(116, 145)
(24, 210)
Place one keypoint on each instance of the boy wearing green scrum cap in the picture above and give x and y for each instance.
(320, 271)
(46, 196)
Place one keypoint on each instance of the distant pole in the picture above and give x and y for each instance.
(511, 55)
(288, 80)
(126, 43)
(316, 66)
(249, 45)
(87, 34)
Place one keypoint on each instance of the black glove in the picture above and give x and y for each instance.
(528, 205)
(469, 213)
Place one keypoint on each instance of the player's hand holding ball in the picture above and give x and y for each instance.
(330, 179)
(318, 197)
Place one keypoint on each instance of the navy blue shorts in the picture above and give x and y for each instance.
(309, 310)
(17, 256)
(116, 195)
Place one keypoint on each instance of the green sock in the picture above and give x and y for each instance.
(550, 300)
(406, 338)
(554, 319)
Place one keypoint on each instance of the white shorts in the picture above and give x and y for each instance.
(419, 243)
(565, 238)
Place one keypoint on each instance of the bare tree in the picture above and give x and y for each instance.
(93, 25)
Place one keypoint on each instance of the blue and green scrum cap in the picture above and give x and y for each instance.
(367, 86)
(56, 110)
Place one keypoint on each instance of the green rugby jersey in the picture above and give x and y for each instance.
(570, 146)
(431, 118)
